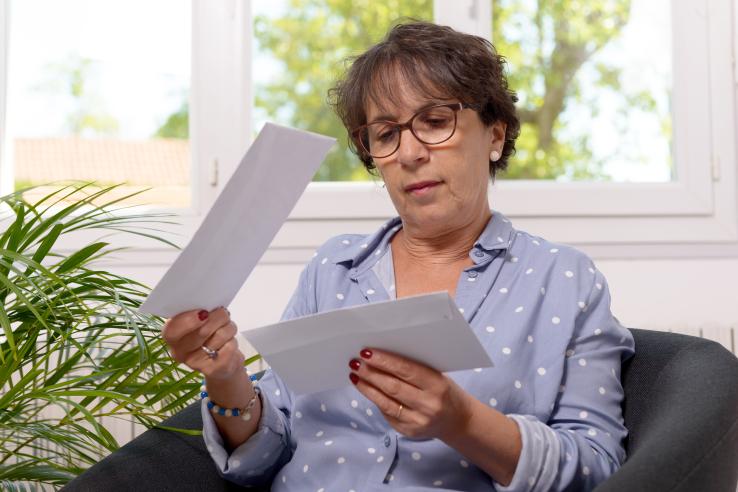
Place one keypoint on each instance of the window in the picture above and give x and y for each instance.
(100, 91)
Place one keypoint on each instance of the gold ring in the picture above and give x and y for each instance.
(399, 412)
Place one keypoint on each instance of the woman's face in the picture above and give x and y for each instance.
(438, 188)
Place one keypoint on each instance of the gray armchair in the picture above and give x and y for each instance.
(681, 411)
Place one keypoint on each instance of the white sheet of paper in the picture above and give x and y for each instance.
(312, 353)
(242, 222)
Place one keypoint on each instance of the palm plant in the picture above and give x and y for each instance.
(73, 347)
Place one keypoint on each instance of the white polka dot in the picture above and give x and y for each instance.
(582, 362)
(265, 455)
(315, 254)
(581, 304)
(477, 369)
(554, 250)
(592, 432)
(369, 412)
(612, 370)
(438, 483)
(236, 463)
(519, 309)
(369, 292)
(568, 457)
(277, 392)
(471, 279)
(392, 287)
(210, 448)
(464, 463)
(543, 291)
(305, 469)
(499, 239)
(536, 243)
(284, 478)
(493, 402)
(341, 460)
(364, 246)
(591, 270)
(530, 339)
(322, 407)
(346, 241)
(503, 290)
(371, 450)
(461, 310)
(556, 320)
(599, 286)
(380, 459)
(518, 384)
(390, 477)
(490, 329)
(339, 296)
(319, 433)
(585, 471)
(583, 414)
(354, 425)
(328, 443)
(532, 480)
(321, 489)
(506, 350)
(569, 352)
(298, 414)
(598, 332)
(541, 371)
(354, 403)
(323, 261)
(416, 456)
(529, 271)
(378, 252)
(514, 259)
(602, 390)
(569, 273)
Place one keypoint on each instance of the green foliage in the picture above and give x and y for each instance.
(177, 124)
(73, 346)
(311, 41)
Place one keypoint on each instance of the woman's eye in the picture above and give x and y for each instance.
(435, 121)
(385, 135)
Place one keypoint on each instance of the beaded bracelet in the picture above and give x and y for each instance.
(244, 413)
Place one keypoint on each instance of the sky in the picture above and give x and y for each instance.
(140, 72)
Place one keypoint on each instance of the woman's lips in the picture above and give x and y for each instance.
(422, 187)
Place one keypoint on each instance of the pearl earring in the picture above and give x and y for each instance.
(494, 156)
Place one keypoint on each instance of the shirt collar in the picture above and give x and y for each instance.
(497, 234)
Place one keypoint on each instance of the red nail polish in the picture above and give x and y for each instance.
(366, 353)
(354, 378)
(203, 315)
(355, 364)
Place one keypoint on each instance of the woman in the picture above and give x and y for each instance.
(430, 110)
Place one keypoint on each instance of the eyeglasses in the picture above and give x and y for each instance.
(431, 126)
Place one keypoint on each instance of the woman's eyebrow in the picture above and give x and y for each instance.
(393, 118)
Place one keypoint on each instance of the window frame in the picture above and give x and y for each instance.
(696, 215)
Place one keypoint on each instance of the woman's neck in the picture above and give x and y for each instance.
(444, 247)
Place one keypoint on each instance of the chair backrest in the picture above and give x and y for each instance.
(681, 411)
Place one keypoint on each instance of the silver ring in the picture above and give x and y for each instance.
(211, 353)
(399, 412)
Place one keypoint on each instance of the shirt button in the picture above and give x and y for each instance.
(472, 274)
(387, 441)
(478, 253)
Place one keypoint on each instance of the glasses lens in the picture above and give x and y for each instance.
(434, 125)
(381, 138)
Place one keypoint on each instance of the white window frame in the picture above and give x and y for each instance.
(696, 215)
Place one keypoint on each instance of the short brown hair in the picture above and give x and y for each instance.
(441, 63)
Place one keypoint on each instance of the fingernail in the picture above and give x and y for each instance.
(355, 364)
(366, 353)
(203, 315)
(354, 378)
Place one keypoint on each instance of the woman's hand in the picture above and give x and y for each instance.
(416, 400)
(187, 333)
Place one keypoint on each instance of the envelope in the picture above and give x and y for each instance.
(312, 353)
(242, 222)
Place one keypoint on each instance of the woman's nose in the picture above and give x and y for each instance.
(411, 151)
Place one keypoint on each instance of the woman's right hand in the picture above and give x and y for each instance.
(188, 332)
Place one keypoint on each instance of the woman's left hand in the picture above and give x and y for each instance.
(416, 400)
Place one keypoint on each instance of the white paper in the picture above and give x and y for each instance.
(312, 353)
(242, 223)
